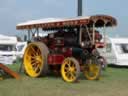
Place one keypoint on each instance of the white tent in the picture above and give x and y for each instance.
(8, 39)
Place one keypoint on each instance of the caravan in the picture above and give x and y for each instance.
(7, 49)
(116, 51)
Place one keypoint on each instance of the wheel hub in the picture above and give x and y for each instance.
(71, 69)
(38, 58)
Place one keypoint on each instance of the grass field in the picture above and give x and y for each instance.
(114, 82)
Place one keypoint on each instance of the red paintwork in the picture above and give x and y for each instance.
(100, 44)
(54, 59)
(58, 58)
(67, 52)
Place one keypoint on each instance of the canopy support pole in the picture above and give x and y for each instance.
(80, 37)
(104, 32)
(93, 34)
(29, 33)
(37, 32)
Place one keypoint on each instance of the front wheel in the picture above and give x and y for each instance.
(35, 59)
(70, 70)
(92, 69)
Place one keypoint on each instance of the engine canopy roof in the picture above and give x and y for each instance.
(57, 23)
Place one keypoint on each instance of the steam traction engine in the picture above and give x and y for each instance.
(70, 46)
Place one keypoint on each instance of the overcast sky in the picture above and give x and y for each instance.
(13, 12)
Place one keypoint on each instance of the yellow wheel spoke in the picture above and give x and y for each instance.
(73, 65)
(37, 68)
(33, 54)
(32, 49)
(73, 69)
(33, 58)
(72, 75)
(68, 63)
(35, 50)
(96, 68)
(38, 53)
(66, 69)
(33, 63)
(67, 74)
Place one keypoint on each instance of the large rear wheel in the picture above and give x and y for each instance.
(92, 69)
(35, 59)
(70, 70)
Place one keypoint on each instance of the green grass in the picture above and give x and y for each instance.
(114, 82)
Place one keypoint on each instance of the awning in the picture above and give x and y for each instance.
(54, 23)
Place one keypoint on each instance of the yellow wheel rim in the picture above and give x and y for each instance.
(33, 60)
(69, 70)
(92, 71)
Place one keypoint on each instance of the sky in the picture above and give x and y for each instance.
(13, 12)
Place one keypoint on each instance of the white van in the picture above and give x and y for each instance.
(116, 51)
(7, 49)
